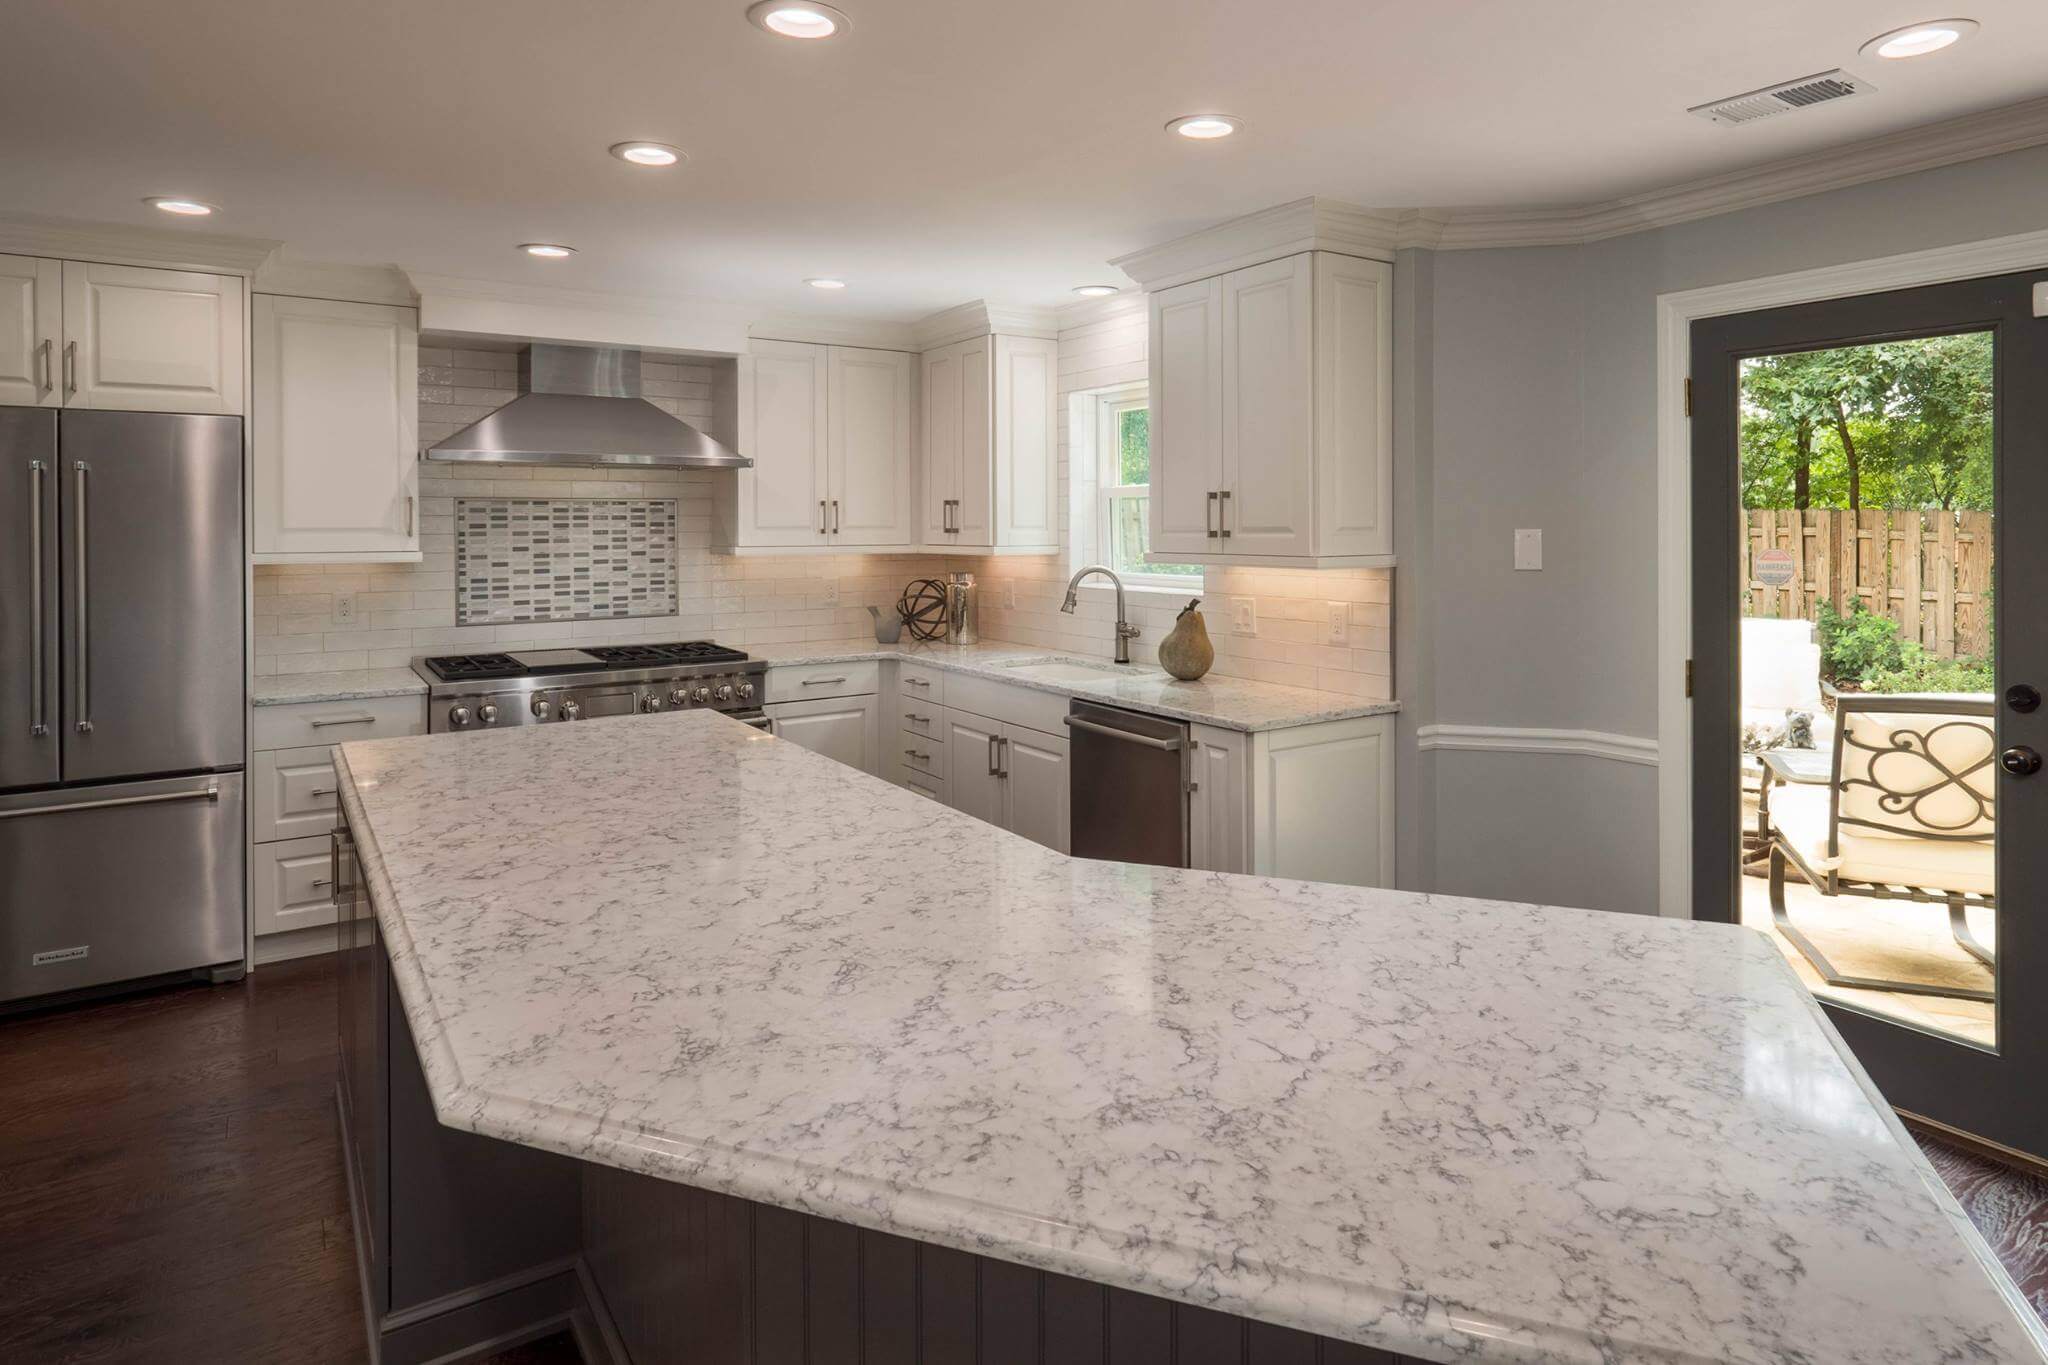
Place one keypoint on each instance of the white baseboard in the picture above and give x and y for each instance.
(310, 941)
(1516, 739)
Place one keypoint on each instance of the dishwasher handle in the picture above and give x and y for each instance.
(1127, 736)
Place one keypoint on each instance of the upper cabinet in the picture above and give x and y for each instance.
(80, 335)
(335, 435)
(1272, 416)
(991, 459)
(830, 432)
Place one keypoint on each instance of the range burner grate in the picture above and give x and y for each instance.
(680, 652)
(452, 667)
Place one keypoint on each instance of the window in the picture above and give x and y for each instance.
(1123, 447)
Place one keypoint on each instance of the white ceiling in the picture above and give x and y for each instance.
(942, 150)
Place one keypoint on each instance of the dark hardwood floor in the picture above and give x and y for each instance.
(170, 1181)
(171, 1189)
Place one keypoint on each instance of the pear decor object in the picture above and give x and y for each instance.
(1186, 652)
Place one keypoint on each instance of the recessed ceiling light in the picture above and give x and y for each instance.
(1096, 291)
(1917, 40)
(647, 153)
(550, 250)
(184, 208)
(798, 19)
(822, 282)
(1203, 127)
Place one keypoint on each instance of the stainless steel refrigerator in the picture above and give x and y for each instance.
(121, 698)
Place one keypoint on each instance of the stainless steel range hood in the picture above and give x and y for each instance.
(582, 406)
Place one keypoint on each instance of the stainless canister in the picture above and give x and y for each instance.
(960, 626)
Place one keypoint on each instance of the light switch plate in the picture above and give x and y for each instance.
(1528, 550)
(1338, 616)
(344, 608)
(1244, 616)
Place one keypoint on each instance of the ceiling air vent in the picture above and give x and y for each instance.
(1783, 98)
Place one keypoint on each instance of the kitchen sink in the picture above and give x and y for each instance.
(1073, 670)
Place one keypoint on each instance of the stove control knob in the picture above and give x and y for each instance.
(723, 692)
(487, 713)
(542, 708)
(679, 697)
(458, 716)
(701, 696)
(651, 702)
(572, 710)
(745, 690)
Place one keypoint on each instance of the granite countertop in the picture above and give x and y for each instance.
(356, 684)
(1463, 1130)
(1229, 703)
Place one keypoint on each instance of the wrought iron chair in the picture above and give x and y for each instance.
(1908, 814)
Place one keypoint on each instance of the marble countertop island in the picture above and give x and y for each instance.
(1461, 1130)
(353, 684)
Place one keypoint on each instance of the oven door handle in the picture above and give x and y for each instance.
(758, 719)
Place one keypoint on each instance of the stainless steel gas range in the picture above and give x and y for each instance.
(543, 686)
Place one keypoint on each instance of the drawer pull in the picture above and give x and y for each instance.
(921, 720)
(919, 755)
(322, 722)
(324, 791)
(820, 682)
(322, 881)
(918, 682)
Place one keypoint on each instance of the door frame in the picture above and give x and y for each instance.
(1676, 312)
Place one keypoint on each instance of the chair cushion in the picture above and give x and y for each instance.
(1800, 815)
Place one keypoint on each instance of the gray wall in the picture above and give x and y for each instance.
(1536, 371)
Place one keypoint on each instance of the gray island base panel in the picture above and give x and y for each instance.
(1450, 1130)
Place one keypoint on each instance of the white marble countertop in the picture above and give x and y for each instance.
(1231, 703)
(1458, 1129)
(355, 684)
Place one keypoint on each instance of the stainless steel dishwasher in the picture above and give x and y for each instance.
(1127, 784)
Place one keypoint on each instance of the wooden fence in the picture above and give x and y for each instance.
(1928, 570)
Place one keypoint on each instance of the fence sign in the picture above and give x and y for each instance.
(1774, 568)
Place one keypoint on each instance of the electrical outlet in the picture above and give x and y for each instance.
(1528, 550)
(1009, 595)
(344, 608)
(831, 592)
(1338, 614)
(1244, 616)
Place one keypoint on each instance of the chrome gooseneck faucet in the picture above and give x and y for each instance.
(1125, 631)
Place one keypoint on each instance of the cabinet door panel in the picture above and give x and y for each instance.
(1268, 460)
(783, 413)
(1354, 406)
(335, 427)
(1027, 477)
(974, 516)
(1217, 825)
(941, 440)
(972, 786)
(31, 319)
(1187, 416)
(869, 454)
(1035, 786)
(152, 340)
(842, 728)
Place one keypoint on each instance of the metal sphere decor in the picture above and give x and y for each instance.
(923, 606)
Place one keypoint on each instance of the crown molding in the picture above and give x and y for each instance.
(979, 318)
(163, 248)
(385, 284)
(878, 336)
(1969, 138)
(1095, 312)
(1311, 224)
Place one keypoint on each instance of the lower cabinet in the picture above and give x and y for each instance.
(842, 728)
(1314, 803)
(1218, 828)
(1009, 775)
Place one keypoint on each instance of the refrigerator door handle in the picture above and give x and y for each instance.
(210, 792)
(81, 637)
(38, 712)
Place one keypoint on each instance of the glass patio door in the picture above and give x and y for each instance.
(1868, 478)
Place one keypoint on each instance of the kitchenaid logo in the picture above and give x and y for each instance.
(59, 955)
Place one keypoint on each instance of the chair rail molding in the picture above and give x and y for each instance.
(1676, 312)
(1520, 739)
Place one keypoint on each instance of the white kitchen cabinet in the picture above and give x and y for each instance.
(334, 432)
(151, 340)
(1321, 802)
(991, 459)
(972, 785)
(1035, 790)
(1219, 831)
(292, 885)
(842, 728)
(829, 429)
(1272, 414)
(31, 330)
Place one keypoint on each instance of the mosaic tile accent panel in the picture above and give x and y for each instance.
(563, 559)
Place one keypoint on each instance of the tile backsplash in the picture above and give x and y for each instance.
(525, 560)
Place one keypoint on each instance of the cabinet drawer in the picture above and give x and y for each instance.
(291, 885)
(922, 720)
(920, 755)
(294, 793)
(933, 788)
(809, 681)
(915, 682)
(304, 724)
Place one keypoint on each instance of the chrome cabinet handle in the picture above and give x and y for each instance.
(921, 720)
(835, 516)
(821, 516)
(209, 793)
(323, 881)
(38, 713)
(323, 791)
(43, 357)
(83, 639)
(1209, 516)
(820, 682)
(1223, 513)
(919, 755)
(70, 369)
(919, 682)
(322, 722)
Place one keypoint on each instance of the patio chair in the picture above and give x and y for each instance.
(1908, 814)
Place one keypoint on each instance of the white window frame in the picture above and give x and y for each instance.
(1110, 405)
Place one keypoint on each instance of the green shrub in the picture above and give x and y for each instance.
(1856, 647)
(1919, 671)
